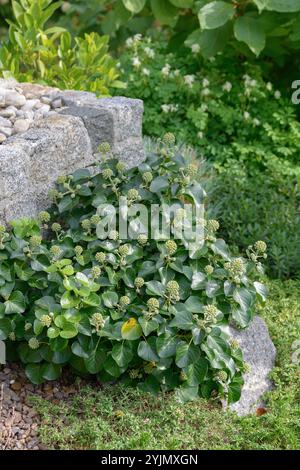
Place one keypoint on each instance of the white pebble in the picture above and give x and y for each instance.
(4, 122)
(45, 100)
(2, 138)
(6, 131)
(7, 112)
(13, 98)
(21, 125)
(29, 105)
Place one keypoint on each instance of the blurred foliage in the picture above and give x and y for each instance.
(37, 53)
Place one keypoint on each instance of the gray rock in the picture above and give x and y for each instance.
(115, 120)
(260, 353)
(58, 144)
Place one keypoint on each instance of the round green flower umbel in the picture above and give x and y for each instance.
(171, 247)
(260, 246)
(124, 301)
(169, 139)
(104, 147)
(153, 304)
(142, 239)
(33, 343)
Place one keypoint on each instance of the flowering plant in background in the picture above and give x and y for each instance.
(222, 106)
(149, 311)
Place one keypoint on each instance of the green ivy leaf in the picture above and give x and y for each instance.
(147, 351)
(122, 354)
(15, 304)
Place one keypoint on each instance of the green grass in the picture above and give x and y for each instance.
(118, 418)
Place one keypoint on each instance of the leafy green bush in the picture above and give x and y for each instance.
(252, 205)
(153, 311)
(34, 52)
(247, 27)
(222, 107)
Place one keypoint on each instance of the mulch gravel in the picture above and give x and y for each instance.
(19, 422)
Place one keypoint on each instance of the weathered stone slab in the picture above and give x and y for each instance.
(60, 143)
(260, 353)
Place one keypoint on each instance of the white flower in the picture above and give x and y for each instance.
(204, 107)
(253, 83)
(176, 72)
(269, 86)
(195, 48)
(200, 135)
(256, 122)
(246, 115)
(205, 82)
(137, 37)
(277, 94)
(246, 78)
(129, 42)
(149, 52)
(146, 72)
(205, 92)
(166, 70)
(136, 62)
(189, 80)
(227, 87)
(169, 108)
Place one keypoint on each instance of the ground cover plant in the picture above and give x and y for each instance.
(152, 310)
(121, 418)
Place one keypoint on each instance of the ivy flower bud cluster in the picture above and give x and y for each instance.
(135, 374)
(172, 291)
(142, 239)
(171, 247)
(46, 320)
(100, 257)
(33, 343)
(124, 302)
(133, 195)
(95, 272)
(169, 139)
(44, 217)
(12, 336)
(78, 250)
(35, 241)
(222, 376)
(104, 148)
(139, 282)
(86, 226)
(147, 177)
(209, 269)
(97, 321)
(55, 251)
(3, 236)
(236, 269)
(56, 227)
(113, 235)
(95, 219)
(210, 313)
(257, 251)
(153, 305)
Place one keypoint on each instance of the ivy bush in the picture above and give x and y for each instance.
(34, 52)
(151, 312)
